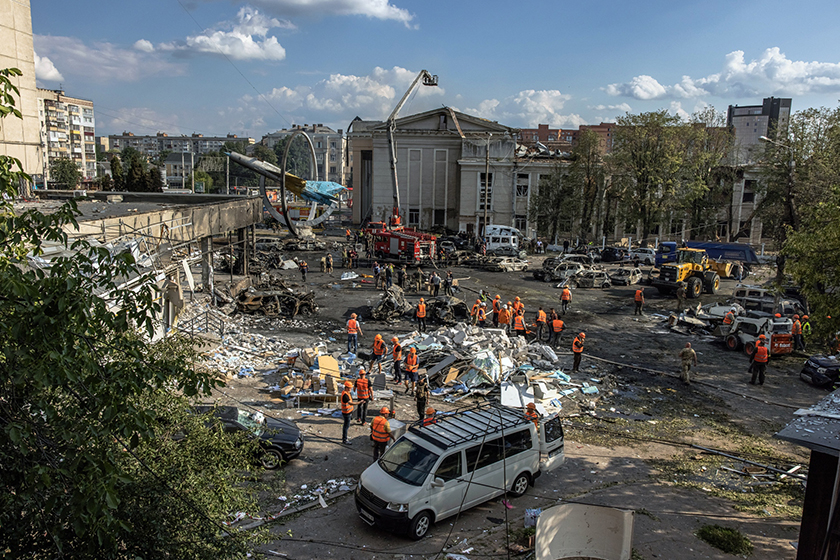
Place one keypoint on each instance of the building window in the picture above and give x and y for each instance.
(332, 157)
(749, 191)
(440, 217)
(745, 229)
(520, 223)
(332, 169)
(413, 216)
(522, 184)
(318, 145)
(332, 145)
(485, 191)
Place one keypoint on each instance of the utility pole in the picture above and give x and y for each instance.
(486, 184)
(183, 174)
(192, 170)
(227, 174)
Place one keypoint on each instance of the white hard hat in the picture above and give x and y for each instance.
(732, 309)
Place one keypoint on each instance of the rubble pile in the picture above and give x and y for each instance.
(245, 354)
(272, 297)
(392, 304)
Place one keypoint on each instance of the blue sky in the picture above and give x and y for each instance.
(249, 68)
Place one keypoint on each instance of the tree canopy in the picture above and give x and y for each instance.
(64, 173)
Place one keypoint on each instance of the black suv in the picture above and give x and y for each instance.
(822, 371)
(280, 440)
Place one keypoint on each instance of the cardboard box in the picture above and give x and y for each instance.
(308, 355)
(287, 389)
(451, 377)
(328, 366)
(298, 382)
(307, 385)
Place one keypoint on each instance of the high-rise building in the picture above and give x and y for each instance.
(751, 122)
(152, 145)
(68, 130)
(20, 138)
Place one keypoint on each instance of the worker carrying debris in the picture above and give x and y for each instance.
(577, 350)
(354, 329)
(532, 414)
(346, 411)
(380, 432)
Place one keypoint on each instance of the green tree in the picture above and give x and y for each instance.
(118, 174)
(298, 161)
(100, 457)
(104, 182)
(200, 177)
(647, 157)
(557, 204)
(64, 173)
(154, 180)
(587, 171)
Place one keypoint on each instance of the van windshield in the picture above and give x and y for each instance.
(408, 462)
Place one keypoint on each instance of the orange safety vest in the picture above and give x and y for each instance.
(482, 314)
(397, 352)
(557, 325)
(728, 318)
(518, 306)
(411, 362)
(797, 328)
(504, 316)
(379, 347)
(421, 309)
(346, 407)
(761, 354)
(639, 296)
(378, 428)
(540, 316)
(429, 420)
(518, 323)
(475, 309)
(362, 388)
(533, 417)
(567, 295)
(352, 326)
(497, 305)
(577, 345)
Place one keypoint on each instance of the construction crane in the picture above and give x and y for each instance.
(428, 80)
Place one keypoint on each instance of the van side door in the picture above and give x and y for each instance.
(445, 500)
(552, 443)
(485, 473)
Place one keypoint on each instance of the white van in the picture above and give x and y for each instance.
(503, 241)
(464, 459)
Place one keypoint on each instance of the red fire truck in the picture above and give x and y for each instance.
(403, 243)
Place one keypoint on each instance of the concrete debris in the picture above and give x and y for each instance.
(392, 305)
(272, 297)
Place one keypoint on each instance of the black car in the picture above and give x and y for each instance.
(280, 440)
(822, 371)
(613, 254)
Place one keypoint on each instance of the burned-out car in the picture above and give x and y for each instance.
(626, 276)
(507, 264)
(588, 279)
(822, 371)
(559, 271)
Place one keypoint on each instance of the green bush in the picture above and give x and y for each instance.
(725, 539)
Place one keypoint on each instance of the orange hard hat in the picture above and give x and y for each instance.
(762, 337)
(478, 301)
(422, 300)
(796, 316)
(498, 296)
(413, 350)
(582, 335)
(348, 384)
(430, 411)
(352, 315)
(804, 316)
(531, 405)
(778, 315)
(378, 337)
(361, 371)
(384, 410)
(394, 339)
(517, 298)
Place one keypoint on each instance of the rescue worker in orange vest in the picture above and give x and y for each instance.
(518, 305)
(532, 414)
(354, 329)
(379, 351)
(640, 302)
(556, 329)
(482, 315)
(430, 417)
(346, 411)
(796, 331)
(421, 315)
(497, 307)
(541, 324)
(380, 432)
(504, 318)
(396, 354)
(519, 324)
(363, 394)
(347, 234)
(474, 311)
(729, 318)
(577, 349)
(759, 359)
(411, 369)
(566, 299)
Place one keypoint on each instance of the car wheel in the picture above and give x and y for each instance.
(732, 342)
(420, 525)
(271, 459)
(520, 485)
(606, 285)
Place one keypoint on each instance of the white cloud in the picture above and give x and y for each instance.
(139, 120)
(528, 108)
(245, 39)
(46, 70)
(144, 46)
(376, 9)
(621, 108)
(103, 61)
(772, 73)
(676, 109)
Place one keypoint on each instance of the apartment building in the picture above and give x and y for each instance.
(152, 145)
(750, 122)
(329, 148)
(68, 129)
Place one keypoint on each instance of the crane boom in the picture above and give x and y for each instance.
(428, 80)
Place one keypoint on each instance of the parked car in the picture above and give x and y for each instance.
(646, 255)
(613, 254)
(582, 259)
(588, 279)
(508, 252)
(507, 264)
(448, 246)
(560, 271)
(822, 371)
(280, 440)
(626, 276)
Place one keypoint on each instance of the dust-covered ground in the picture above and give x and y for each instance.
(633, 451)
